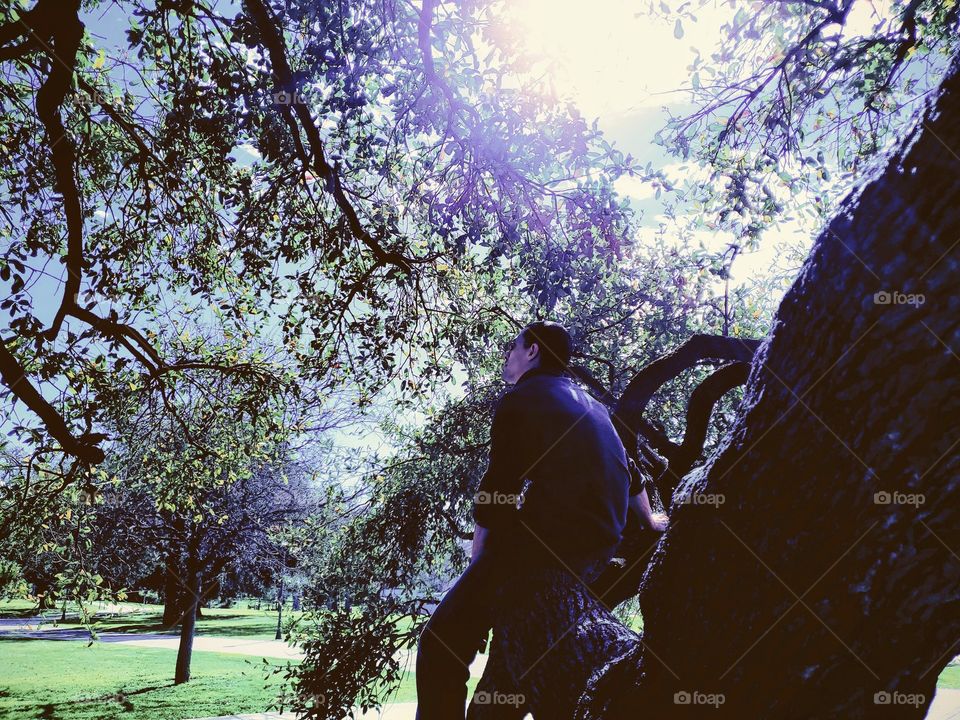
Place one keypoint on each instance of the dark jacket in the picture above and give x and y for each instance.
(552, 434)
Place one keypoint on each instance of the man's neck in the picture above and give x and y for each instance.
(537, 370)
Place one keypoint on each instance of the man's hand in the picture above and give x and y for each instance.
(658, 522)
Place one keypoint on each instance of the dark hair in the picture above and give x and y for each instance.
(555, 343)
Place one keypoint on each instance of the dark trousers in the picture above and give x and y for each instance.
(451, 639)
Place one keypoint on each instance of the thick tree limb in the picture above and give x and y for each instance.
(698, 348)
(66, 32)
(15, 378)
(628, 416)
(14, 52)
(29, 20)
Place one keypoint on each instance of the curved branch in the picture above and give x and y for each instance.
(697, 349)
(14, 52)
(117, 331)
(29, 21)
(628, 415)
(66, 33)
(702, 401)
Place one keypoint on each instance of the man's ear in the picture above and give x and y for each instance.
(534, 350)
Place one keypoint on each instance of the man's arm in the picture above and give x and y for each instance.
(502, 479)
(640, 502)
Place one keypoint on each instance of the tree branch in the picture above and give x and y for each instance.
(283, 78)
(702, 401)
(66, 32)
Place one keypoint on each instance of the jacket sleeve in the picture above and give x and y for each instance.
(502, 482)
(638, 479)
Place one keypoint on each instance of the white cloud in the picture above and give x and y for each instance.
(634, 187)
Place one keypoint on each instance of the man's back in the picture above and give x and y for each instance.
(551, 433)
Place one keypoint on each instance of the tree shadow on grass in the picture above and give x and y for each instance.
(121, 697)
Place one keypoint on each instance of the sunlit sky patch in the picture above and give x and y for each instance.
(622, 66)
(609, 56)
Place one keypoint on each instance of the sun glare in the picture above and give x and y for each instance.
(606, 56)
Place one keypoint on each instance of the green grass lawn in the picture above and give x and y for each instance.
(950, 677)
(67, 680)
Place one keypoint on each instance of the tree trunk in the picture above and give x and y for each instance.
(812, 567)
(189, 623)
(172, 593)
(279, 634)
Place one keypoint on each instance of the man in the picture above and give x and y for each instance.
(555, 491)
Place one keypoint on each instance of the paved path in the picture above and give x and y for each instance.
(945, 706)
(204, 643)
(257, 647)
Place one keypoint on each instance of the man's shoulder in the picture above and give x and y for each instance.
(552, 390)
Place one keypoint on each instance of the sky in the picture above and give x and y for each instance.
(626, 68)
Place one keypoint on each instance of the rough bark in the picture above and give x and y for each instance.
(807, 592)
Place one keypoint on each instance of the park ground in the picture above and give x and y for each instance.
(127, 675)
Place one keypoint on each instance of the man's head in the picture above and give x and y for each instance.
(545, 345)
